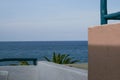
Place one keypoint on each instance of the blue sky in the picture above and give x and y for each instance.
(50, 20)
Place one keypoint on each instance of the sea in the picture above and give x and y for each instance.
(78, 50)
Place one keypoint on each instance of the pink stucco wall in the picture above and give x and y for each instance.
(104, 52)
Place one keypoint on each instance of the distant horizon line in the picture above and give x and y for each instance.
(45, 41)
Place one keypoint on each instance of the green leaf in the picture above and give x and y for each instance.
(47, 58)
(62, 59)
(75, 61)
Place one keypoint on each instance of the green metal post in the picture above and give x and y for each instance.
(35, 61)
(103, 11)
(113, 16)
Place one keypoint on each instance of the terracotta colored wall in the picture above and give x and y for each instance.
(104, 52)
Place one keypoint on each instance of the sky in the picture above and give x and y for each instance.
(50, 20)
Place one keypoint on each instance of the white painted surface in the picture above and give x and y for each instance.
(21, 72)
(3, 75)
(52, 71)
(45, 71)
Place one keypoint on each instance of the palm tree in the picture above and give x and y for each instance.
(61, 59)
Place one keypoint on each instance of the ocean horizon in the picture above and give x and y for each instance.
(38, 49)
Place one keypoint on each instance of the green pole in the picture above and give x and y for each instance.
(103, 11)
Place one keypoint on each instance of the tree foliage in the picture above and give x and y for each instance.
(61, 59)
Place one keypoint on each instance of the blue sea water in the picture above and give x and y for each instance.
(39, 49)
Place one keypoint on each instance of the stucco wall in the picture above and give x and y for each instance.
(104, 52)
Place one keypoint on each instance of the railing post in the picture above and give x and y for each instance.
(35, 61)
(103, 11)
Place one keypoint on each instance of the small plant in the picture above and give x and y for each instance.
(61, 59)
(23, 63)
(20, 63)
